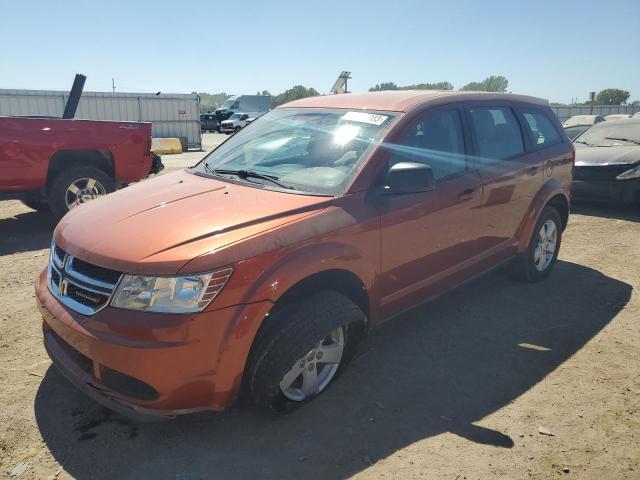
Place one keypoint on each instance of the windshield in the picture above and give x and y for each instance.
(605, 134)
(306, 150)
(235, 116)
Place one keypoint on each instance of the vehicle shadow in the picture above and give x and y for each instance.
(26, 232)
(630, 213)
(439, 368)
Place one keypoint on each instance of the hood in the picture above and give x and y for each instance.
(602, 156)
(158, 225)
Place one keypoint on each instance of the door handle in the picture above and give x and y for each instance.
(467, 194)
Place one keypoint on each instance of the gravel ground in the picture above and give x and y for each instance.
(496, 379)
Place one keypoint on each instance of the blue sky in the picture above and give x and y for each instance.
(554, 49)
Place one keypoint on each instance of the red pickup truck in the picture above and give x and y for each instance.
(55, 164)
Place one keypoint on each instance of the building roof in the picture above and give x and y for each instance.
(401, 100)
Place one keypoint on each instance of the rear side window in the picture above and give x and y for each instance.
(497, 133)
(435, 140)
(542, 131)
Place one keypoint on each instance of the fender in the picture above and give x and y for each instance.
(550, 189)
(308, 260)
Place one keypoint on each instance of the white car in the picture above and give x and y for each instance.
(234, 123)
(583, 120)
(617, 116)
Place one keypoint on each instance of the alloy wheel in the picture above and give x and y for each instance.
(83, 190)
(313, 372)
(546, 247)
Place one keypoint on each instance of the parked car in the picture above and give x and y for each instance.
(243, 103)
(209, 122)
(583, 120)
(575, 130)
(54, 164)
(608, 162)
(234, 123)
(260, 269)
(617, 116)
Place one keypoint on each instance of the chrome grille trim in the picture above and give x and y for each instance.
(85, 286)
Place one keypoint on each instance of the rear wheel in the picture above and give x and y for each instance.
(537, 261)
(78, 185)
(302, 349)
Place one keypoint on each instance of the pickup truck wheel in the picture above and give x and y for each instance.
(236, 130)
(302, 349)
(78, 185)
(36, 203)
(537, 261)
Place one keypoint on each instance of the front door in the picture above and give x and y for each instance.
(424, 236)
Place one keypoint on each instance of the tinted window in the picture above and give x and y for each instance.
(542, 131)
(497, 133)
(435, 140)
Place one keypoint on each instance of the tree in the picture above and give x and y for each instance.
(294, 93)
(429, 86)
(494, 83)
(211, 101)
(384, 86)
(263, 92)
(419, 86)
(612, 96)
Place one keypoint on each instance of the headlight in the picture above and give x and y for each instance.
(190, 293)
(629, 174)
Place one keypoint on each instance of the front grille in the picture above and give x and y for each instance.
(79, 285)
(605, 173)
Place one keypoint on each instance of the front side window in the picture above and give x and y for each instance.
(437, 140)
(301, 150)
(497, 133)
(542, 131)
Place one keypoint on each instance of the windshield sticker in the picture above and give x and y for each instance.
(363, 117)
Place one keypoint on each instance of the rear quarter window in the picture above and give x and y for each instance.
(540, 128)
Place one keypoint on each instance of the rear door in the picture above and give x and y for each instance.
(511, 170)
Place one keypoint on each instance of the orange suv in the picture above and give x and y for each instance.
(256, 272)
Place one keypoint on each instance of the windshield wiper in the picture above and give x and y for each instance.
(244, 174)
(637, 142)
(582, 141)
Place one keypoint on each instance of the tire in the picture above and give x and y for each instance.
(286, 344)
(236, 130)
(533, 265)
(59, 190)
(36, 203)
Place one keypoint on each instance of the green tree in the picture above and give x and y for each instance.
(612, 96)
(211, 101)
(384, 86)
(429, 86)
(494, 83)
(294, 93)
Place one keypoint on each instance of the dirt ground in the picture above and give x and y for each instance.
(456, 389)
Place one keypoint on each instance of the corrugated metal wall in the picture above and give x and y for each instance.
(564, 113)
(172, 115)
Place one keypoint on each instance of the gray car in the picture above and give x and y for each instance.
(607, 165)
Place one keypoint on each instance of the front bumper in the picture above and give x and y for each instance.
(151, 365)
(612, 191)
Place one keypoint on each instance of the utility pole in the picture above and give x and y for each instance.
(592, 98)
(113, 85)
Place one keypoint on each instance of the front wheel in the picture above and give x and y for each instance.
(537, 261)
(78, 185)
(302, 349)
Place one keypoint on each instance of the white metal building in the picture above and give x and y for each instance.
(172, 115)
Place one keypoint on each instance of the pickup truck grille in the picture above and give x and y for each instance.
(79, 285)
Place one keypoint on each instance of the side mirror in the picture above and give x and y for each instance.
(409, 177)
